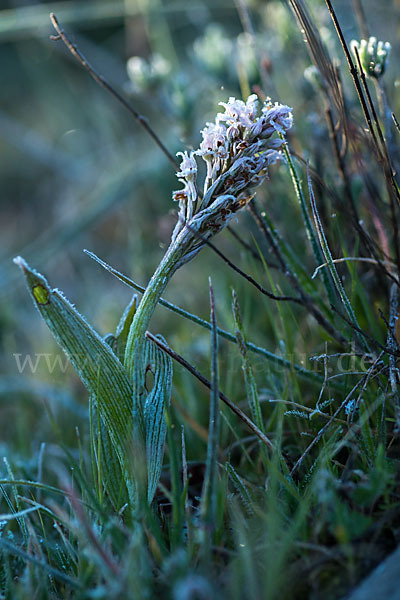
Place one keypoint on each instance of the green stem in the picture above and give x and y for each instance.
(134, 350)
(150, 299)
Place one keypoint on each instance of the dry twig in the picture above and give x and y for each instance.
(61, 35)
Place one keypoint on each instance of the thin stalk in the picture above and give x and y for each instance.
(176, 484)
(150, 299)
(281, 250)
(392, 345)
(270, 356)
(332, 268)
(396, 122)
(61, 35)
(307, 221)
(323, 429)
(250, 383)
(209, 493)
(381, 149)
(247, 246)
(246, 276)
(234, 408)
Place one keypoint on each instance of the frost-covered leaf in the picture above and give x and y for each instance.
(98, 367)
(159, 364)
(123, 327)
(107, 462)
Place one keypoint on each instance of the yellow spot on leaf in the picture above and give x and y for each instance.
(41, 294)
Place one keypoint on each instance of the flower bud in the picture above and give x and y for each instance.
(146, 73)
(373, 55)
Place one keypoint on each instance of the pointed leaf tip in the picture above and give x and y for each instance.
(20, 262)
(36, 283)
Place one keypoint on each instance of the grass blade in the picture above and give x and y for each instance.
(209, 493)
(307, 221)
(250, 383)
(332, 268)
(270, 356)
(10, 548)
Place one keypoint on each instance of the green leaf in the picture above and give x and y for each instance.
(332, 268)
(306, 219)
(98, 367)
(157, 400)
(109, 472)
(123, 327)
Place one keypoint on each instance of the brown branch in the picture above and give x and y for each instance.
(381, 151)
(306, 300)
(207, 383)
(367, 337)
(61, 35)
(242, 273)
(396, 122)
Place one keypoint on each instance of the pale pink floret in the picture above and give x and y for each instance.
(278, 116)
(188, 166)
(233, 132)
(238, 112)
(214, 141)
(238, 148)
(252, 106)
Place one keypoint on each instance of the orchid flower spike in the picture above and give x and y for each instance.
(238, 147)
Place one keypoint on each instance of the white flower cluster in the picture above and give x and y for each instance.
(146, 73)
(373, 55)
(237, 148)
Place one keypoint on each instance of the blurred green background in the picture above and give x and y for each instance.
(78, 172)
